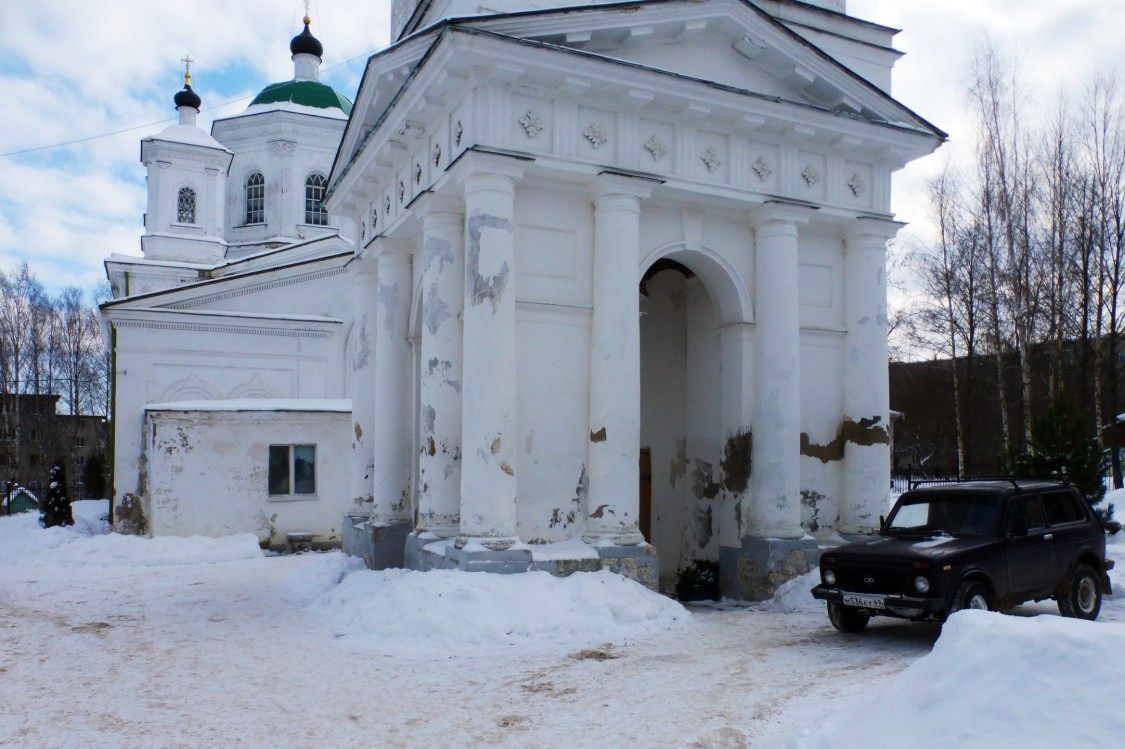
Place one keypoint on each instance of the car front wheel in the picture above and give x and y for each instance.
(971, 595)
(846, 618)
(1081, 596)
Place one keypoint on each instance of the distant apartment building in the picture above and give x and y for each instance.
(34, 436)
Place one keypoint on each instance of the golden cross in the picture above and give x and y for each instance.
(187, 61)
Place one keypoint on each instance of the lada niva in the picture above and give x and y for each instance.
(971, 545)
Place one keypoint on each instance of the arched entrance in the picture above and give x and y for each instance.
(686, 301)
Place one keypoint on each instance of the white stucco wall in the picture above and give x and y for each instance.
(208, 472)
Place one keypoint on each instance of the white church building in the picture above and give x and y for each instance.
(565, 288)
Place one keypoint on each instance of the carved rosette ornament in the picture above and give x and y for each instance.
(656, 147)
(857, 185)
(401, 191)
(762, 168)
(387, 205)
(374, 217)
(458, 131)
(595, 135)
(811, 175)
(417, 173)
(437, 154)
(711, 159)
(531, 123)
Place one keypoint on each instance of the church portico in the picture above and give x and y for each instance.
(610, 294)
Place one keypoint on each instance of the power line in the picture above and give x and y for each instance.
(160, 122)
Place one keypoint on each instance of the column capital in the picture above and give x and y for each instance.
(869, 229)
(608, 184)
(477, 167)
(391, 250)
(428, 204)
(781, 211)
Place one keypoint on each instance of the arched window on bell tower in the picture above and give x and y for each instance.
(185, 206)
(256, 199)
(315, 212)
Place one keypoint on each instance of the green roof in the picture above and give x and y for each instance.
(305, 93)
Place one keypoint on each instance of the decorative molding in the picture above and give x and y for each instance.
(387, 206)
(207, 328)
(417, 173)
(711, 159)
(363, 232)
(762, 168)
(282, 147)
(374, 218)
(436, 157)
(857, 185)
(532, 124)
(458, 131)
(656, 147)
(255, 288)
(401, 191)
(811, 175)
(594, 134)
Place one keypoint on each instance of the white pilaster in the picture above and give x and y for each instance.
(443, 302)
(362, 363)
(489, 426)
(392, 426)
(867, 465)
(613, 502)
(775, 509)
(737, 419)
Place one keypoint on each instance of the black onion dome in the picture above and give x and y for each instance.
(187, 98)
(306, 43)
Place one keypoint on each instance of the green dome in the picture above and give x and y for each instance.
(305, 93)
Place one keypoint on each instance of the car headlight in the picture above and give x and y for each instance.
(829, 577)
(922, 584)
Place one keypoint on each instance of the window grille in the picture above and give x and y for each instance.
(255, 199)
(315, 212)
(185, 206)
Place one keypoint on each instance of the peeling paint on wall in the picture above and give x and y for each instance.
(678, 467)
(704, 522)
(736, 462)
(388, 303)
(863, 432)
(429, 417)
(598, 436)
(358, 431)
(434, 310)
(363, 346)
(703, 484)
(481, 288)
(436, 248)
(815, 502)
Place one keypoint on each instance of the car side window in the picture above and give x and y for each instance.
(1028, 509)
(1062, 507)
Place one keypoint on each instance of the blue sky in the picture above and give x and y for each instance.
(75, 69)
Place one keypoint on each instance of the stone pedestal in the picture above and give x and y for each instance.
(380, 545)
(755, 570)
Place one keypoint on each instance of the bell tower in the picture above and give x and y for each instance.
(187, 171)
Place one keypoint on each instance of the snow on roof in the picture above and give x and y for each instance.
(290, 106)
(336, 405)
(188, 134)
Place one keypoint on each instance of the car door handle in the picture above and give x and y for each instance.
(1048, 536)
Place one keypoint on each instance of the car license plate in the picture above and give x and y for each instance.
(863, 602)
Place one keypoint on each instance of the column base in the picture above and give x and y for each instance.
(428, 552)
(755, 570)
(379, 544)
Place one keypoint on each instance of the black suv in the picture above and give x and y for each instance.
(971, 545)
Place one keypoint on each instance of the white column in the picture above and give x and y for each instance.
(775, 510)
(489, 394)
(393, 443)
(443, 301)
(362, 382)
(737, 420)
(613, 500)
(867, 467)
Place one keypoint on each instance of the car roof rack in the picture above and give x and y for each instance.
(1063, 478)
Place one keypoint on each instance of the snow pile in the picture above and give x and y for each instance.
(992, 680)
(454, 611)
(793, 596)
(88, 543)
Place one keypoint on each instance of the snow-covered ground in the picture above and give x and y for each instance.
(114, 641)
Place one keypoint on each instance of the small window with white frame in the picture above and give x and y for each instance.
(185, 206)
(292, 470)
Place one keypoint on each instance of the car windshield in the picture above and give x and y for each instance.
(955, 514)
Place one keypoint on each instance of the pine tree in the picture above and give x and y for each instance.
(56, 509)
(1065, 446)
